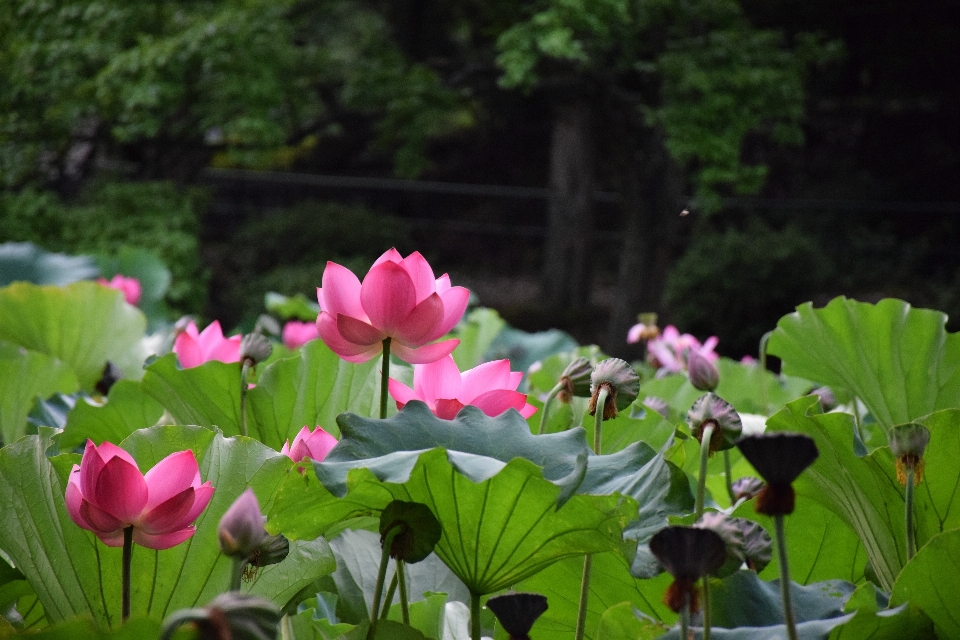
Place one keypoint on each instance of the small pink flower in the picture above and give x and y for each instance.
(491, 387)
(749, 361)
(400, 299)
(669, 351)
(194, 348)
(314, 444)
(107, 493)
(129, 286)
(296, 334)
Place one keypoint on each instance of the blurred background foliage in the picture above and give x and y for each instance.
(115, 118)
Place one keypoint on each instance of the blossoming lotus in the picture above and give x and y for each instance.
(491, 387)
(399, 299)
(107, 493)
(314, 444)
(130, 287)
(195, 348)
(296, 334)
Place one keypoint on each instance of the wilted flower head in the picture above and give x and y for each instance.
(703, 374)
(746, 488)
(687, 553)
(621, 382)
(130, 287)
(399, 299)
(255, 347)
(296, 333)
(908, 442)
(711, 409)
(106, 493)
(193, 348)
(575, 380)
(517, 612)
(241, 531)
(779, 458)
(491, 387)
(670, 351)
(314, 444)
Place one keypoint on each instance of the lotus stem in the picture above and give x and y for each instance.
(728, 476)
(785, 579)
(237, 573)
(381, 574)
(404, 606)
(475, 629)
(125, 573)
(384, 378)
(706, 607)
(598, 420)
(763, 368)
(388, 599)
(685, 618)
(244, 372)
(546, 407)
(706, 436)
(908, 510)
(286, 628)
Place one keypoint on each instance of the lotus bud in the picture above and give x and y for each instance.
(659, 405)
(703, 374)
(622, 385)
(688, 554)
(517, 612)
(779, 458)
(575, 380)
(828, 401)
(908, 442)
(254, 348)
(711, 409)
(241, 529)
(232, 615)
(746, 488)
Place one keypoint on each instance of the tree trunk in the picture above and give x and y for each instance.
(566, 260)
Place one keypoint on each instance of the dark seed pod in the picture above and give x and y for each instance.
(779, 457)
(688, 554)
(517, 612)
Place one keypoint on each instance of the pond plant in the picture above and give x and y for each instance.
(263, 485)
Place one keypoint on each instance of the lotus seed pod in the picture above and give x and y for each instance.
(621, 382)
(575, 380)
(908, 442)
(711, 409)
(255, 347)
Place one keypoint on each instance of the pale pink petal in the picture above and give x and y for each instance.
(496, 401)
(171, 476)
(90, 467)
(447, 409)
(440, 379)
(425, 354)
(210, 336)
(633, 335)
(424, 282)
(296, 334)
(401, 393)
(516, 377)
(387, 296)
(74, 498)
(120, 490)
(528, 410)
(443, 283)
(358, 331)
(483, 378)
(340, 292)
(420, 326)
(390, 255)
(319, 443)
(191, 330)
(455, 300)
(671, 334)
(227, 350)
(349, 351)
(113, 538)
(100, 521)
(285, 449)
(188, 351)
(163, 540)
(169, 515)
(108, 451)
(201, 498)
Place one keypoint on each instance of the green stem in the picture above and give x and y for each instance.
(244, 372)
(763, 370)
(384, 378)
(598, 419)
(908, 509)
(856, 420)
(546, 407)
(475, 629)
(381, 574)
(584, 597)
(404, 606)
(785, 579)
(728, 475)
(706, 607)
(388, 599)
(706, 436)
(125, 573)
(685, 618)
(237, 573)
(286, 628)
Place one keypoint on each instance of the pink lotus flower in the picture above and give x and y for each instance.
(106, 493)
(314, 444)
(398, 299)
(129, 286)
(296, 334)
(194, 348)
(669, 351)
(491, 387)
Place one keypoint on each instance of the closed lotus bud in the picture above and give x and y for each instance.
(575, 380)
(828, 401)
(230, 616)
(779, 458)
(241, 529)
(255, 347)
(746, 488)
(621, 382)
(517, 612)
(908, 442)
(711, 409)
(704, 375)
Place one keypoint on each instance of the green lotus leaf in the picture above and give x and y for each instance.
(127, 409)
(931, 582)
(872, 620)
(25, 262)
(744, 600)
(136, 628)
(621, 621)
(500, 520)
(208, 395)
(74, 574)
(82, 324)
(25, 375)
(899, 361)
